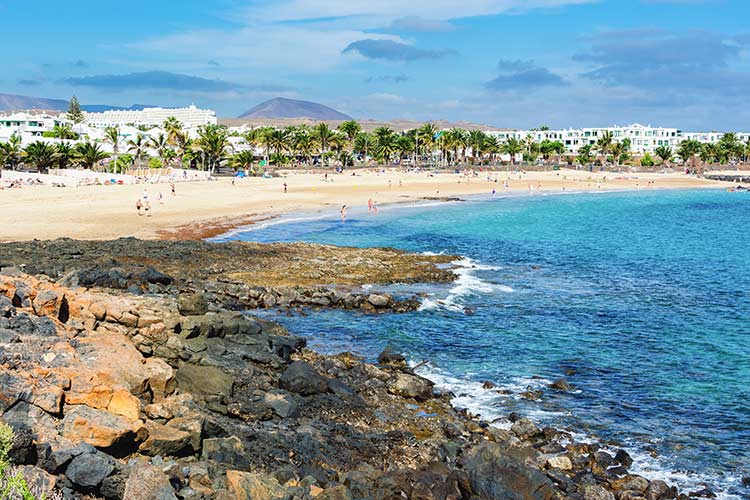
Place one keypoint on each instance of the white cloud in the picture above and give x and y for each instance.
(300, 10)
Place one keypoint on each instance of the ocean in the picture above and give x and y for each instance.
(640, 300)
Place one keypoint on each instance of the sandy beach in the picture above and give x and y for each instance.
(203, 209)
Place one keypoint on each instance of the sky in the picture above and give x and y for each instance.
(506, 63)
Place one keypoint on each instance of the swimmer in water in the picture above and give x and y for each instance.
(343, 212)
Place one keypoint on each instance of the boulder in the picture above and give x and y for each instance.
(206, 380)
(101, 429)
(659, 490)
(250, 486)
(283, 404)
(560, 385)
(124, 404)
(301, 377)
(161, 378)
(193, 425)
(165, 440)
(561, 462)
(631, 482)
(147, 482)
(596, 492)
(390, 357)
(411, 386)
(87, 471)
(524, 428)
(39, 481)
(225, 450)
(379, 301)
(494, 473)
(192, 304)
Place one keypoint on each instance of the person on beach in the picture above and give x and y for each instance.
(375, 207)
(171, 186)
(138, 206)
(145, 195)
(369, 205)
(285, 187)
(343, 212)
(161, 198)
(147, 207)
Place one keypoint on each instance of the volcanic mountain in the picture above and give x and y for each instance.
(281, 107)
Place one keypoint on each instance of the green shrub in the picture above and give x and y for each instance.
(6, 441)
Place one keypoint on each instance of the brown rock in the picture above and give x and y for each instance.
(147, 482)
(100, 428)
(160, 378)
(249, 486)
(164, 440)
(99, 310)
(124, 404)
(193, 425)
(411, 386)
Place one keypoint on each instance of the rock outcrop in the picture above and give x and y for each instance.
(159, 392)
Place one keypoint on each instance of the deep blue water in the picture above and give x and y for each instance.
(641, 300)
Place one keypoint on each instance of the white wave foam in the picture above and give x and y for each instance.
(489, 404)
(465, 285)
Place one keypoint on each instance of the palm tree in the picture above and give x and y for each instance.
(278, 141)
(40, 155)
(457, 139)
(512, 147)
(64, 153)
(88, 155)
(322, 135)
(160, 144)
(63, 131)
(243, 160)
(212, 140)
(112, 135)
(604, 145)
(405, 146)
(664, 153)
(477, 141)
(181, 145)
(137, 147)
(584, 154)
(385, 144)
(364, 143)
(304, 145)
(428, 135)
(172, 127)
(688, 150)
(10, 152)
(351, 129)
(547, 148)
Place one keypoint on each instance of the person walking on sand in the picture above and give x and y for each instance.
(138, 206)
(146, 208)
(145, 195)
(161, 198)
(171, 186)
(285, 187)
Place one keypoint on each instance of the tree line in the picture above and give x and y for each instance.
(346, 145)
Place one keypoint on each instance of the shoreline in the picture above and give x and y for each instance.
(207, 209)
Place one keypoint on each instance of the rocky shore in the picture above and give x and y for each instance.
(132, 376)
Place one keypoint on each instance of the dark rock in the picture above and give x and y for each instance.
(6, 307)
(560, 385)
(340, 389)
(302, 378)
(226, 450)
(659, 490)
(89, 470)
(192, 304)
(487, 385)
(23, 450)
(493, 473)
(207, 380)
(389, 357)
(596, 492)
(147, 482)
(703, 493)
(524, 428)
(155, 277)
(411, 386)
(623, 458)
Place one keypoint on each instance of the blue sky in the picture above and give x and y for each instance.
(509, 63)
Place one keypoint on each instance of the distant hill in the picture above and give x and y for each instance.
(290, 108)
(12, 102)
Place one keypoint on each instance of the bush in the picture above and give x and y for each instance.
(647, 161)
(6, 441)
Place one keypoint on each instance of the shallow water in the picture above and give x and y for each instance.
(642, 298)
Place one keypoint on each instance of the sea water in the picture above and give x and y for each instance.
(641, 300)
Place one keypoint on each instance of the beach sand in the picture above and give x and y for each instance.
(204, 209)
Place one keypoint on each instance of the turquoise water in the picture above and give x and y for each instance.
(641, 300)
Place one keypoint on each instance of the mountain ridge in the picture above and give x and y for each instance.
(15, 102)
(281, 107)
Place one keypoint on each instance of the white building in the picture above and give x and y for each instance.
(643, 138)
(27, 124)
(189, 117)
